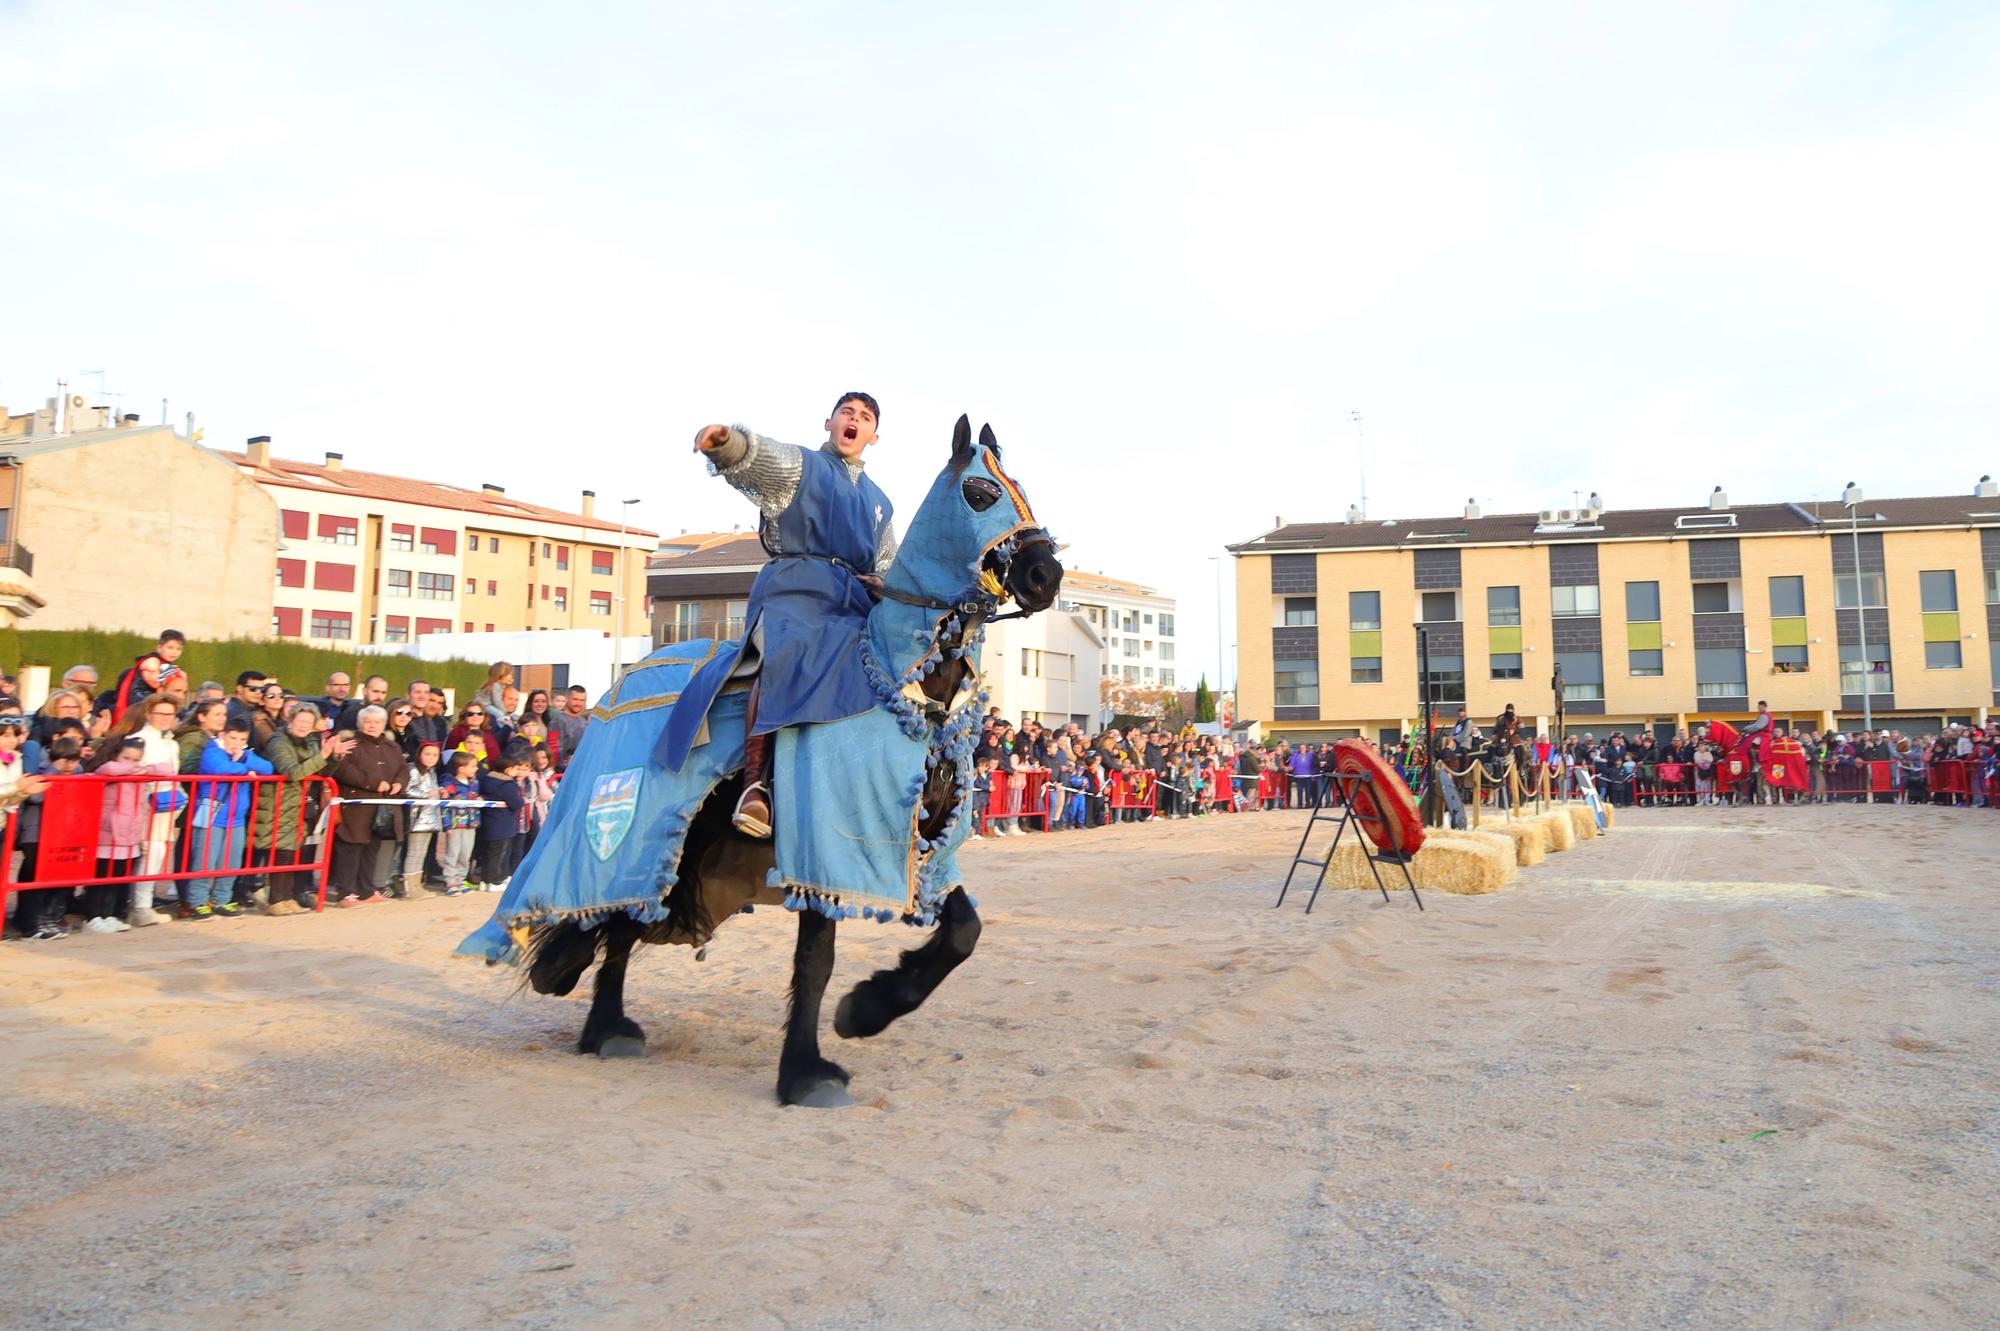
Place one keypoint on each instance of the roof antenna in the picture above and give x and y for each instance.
(1360, 461)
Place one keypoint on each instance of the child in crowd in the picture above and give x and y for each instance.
(121, 837)
(539, 788)
(38, 912)
(217, 821)
(421, 784)
(982, 795)
(458, 831)
(500, 829)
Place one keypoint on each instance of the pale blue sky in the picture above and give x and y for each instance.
(1163, 248)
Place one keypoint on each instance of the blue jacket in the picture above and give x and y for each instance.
(499, 824)
(233, 799)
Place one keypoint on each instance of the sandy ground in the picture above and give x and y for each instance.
(1149, 1100)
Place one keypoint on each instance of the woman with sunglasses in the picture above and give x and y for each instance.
(402, 727)
(269, 718)
(474, 733)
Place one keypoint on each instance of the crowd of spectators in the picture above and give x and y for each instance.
(429, 797)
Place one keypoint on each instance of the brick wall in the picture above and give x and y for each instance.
(1572, 565)
(1294, 575)
(1715, 559)
(1437, 570)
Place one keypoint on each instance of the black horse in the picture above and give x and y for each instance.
(721, 871)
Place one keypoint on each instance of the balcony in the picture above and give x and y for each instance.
(720, 630)
(19, 597)
(15, 555)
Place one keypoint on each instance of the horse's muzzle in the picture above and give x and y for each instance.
(1034, 575)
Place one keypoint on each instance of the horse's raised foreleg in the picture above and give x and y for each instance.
(607, 1031)
(884, 996)
(804, 1078)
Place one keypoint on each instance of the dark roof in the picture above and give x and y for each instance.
(745, 550)
(1624, 524)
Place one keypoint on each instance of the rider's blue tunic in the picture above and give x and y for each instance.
(810, 610)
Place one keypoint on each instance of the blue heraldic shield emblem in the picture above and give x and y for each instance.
(614, 799)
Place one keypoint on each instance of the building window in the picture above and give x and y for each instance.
(1942, 656)
(398, 583)
(468, 626)
(1364, 610)
(492, 546)
(1940, 591)
(492, 587)
(1146, 674)
(600, 562)
(1149, 619)
(1440, 607)
(1166, 679)
(1446, 680)
(403, 540)
(1788, 598)
(1166, 651)
(332, 577)
(1642, 602)
(472, 586)
(1297, 683)
(291, 572)
(1503, 607)
(1027, 661)
(1166, 626)
(1583, 674)
(489, 628)
(1711, 598)
(562, 559)
(425, 626)
(1874, 591)
(293, 525)
(396, 629)
(1131, 646)
(545, 549)
(335, 624)
(600, 603)
(439, 541)
(1504, 665)
(1648, 662)
(1573, 602)
(1790, 660)
(336, 530)
(1364, 670)
(1131, 674)
(288, 622)
(1866, 669)
(1131, 624)
(561, 600)
(436, 586)
(1993, 586)
(1719, 673)
(1301, 611)
(545, 591)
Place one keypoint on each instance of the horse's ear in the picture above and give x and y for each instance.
(961, 442)
(986, 439)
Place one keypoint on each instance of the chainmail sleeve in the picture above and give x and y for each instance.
(762, 470)
(885, 549)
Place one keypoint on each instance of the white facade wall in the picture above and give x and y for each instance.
(1045, 668)
(1145, 653)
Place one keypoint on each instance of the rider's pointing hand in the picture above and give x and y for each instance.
(710, 438)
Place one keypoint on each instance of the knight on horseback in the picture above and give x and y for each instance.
(828, 529)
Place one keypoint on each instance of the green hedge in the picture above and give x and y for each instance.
(301, 667)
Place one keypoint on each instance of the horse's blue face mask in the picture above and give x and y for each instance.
(974, 539)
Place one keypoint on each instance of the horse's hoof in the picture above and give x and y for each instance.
(843, 1017)
(825, 1095)
(622, 1046)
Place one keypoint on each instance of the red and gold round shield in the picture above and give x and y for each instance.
(1383, 804)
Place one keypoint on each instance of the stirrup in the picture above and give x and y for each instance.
(749, 824)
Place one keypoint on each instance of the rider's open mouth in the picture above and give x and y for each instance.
(850, 433)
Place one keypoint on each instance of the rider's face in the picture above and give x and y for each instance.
(851, 428)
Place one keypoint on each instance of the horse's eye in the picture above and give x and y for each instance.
(981, 493)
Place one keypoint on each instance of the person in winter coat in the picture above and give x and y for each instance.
(282, 826)
(474, 733)
(458, 836)
(121, 833)
(499, 827)
(217, 821)
(375, 769)
(420, 784)
(39, 911)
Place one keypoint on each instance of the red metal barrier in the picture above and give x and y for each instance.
(73, 809)
(1132, 790)
(1020, 796)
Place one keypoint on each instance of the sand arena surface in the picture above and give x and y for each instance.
(1149, 1100)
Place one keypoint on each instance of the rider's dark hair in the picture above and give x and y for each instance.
(864, 399)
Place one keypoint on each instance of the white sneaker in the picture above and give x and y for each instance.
(500, 886)
(141, 916)
(100, 925)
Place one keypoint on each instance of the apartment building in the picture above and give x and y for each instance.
(366, 557)
(1656, 617)
(700, 585)
(1135, 621)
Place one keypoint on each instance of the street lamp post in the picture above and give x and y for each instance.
(1217, 561)
(618, 597)
(1852, 498)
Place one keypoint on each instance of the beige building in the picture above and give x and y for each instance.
(1887, 611)
(367, 557)
(131, 527)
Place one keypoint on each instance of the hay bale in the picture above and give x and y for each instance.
(1499, 844)
(1350, 867)
(1583, 821)
(1561, 832)
(1464, 863)
(1530, 838)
